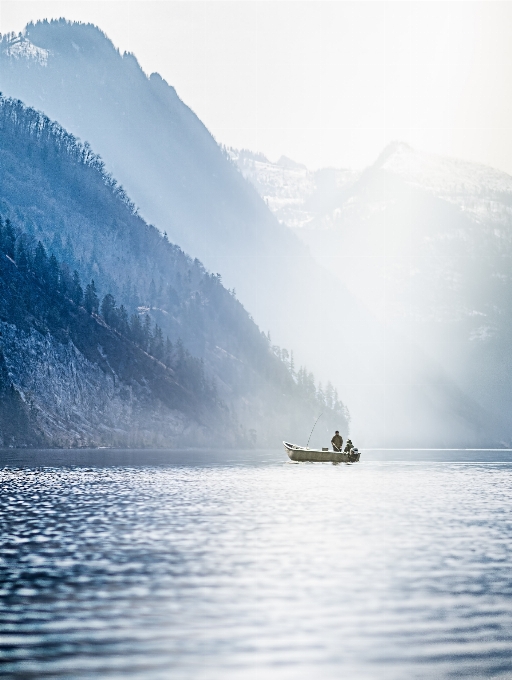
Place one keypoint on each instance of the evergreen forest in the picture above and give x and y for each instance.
(77, 257)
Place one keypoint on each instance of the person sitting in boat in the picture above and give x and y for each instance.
(337, 441)
(348, 446)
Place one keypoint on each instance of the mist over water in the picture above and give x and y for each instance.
(175, 292)
(422, 242)
(239, 564)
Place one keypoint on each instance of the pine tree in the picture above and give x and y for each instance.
(108, 309)
(91, 301)
(329, 396)
(136, 331)
(152, 294)
(168, 352)
(22, 255)
(40, 262)
(77, 293)
(320, 396)
(157, 348)
(53, 275)
(122, 320)
(180, 353)
(65, 280)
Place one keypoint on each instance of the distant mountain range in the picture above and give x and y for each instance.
(191, 189)
(425, 243)
(298, 197)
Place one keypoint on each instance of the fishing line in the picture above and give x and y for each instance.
(316, 421)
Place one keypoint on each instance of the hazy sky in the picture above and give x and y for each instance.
(325, 83)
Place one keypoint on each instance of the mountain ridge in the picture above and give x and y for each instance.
(56, 191)
(174, 171)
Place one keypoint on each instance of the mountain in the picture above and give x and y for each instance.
(160, 152)
(67, 378)
(424, 242)
(100, 358)
(298, 197)
(184, 183)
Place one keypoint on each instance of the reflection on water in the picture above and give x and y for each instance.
(158, 565)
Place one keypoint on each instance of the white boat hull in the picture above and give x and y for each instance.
(303, 455)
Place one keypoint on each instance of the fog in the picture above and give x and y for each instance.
(390, 280)
(325, 83)
(422, 242)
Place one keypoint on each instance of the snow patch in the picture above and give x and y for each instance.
(479, 190)
(287, 187)
(19, 47)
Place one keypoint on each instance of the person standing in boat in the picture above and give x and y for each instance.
(337, 441)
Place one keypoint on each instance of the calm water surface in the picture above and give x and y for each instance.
(237, 566)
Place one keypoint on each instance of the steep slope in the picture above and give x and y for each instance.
(183, 182)
(56, 191)
(155, 146)
(68, 379)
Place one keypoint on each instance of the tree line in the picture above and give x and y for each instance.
(324, 399)
(45, 291)
(34, 125)
(62, 286)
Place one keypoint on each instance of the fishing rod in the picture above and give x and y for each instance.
(316, 421)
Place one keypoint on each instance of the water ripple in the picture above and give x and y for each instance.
(378, 570)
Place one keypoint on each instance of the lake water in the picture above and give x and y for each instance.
(241, 565)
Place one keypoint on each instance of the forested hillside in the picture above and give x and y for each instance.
(53, 343)
(184, 183)
(69, 214)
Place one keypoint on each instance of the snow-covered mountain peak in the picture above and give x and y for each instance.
(284, 185)
(290, 190)
(446, 177)
(19, 47)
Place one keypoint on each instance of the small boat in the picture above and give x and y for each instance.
(303, 454)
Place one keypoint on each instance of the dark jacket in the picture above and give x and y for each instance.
(337, 442)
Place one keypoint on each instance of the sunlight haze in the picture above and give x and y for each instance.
(327, 84)
(255, 339)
